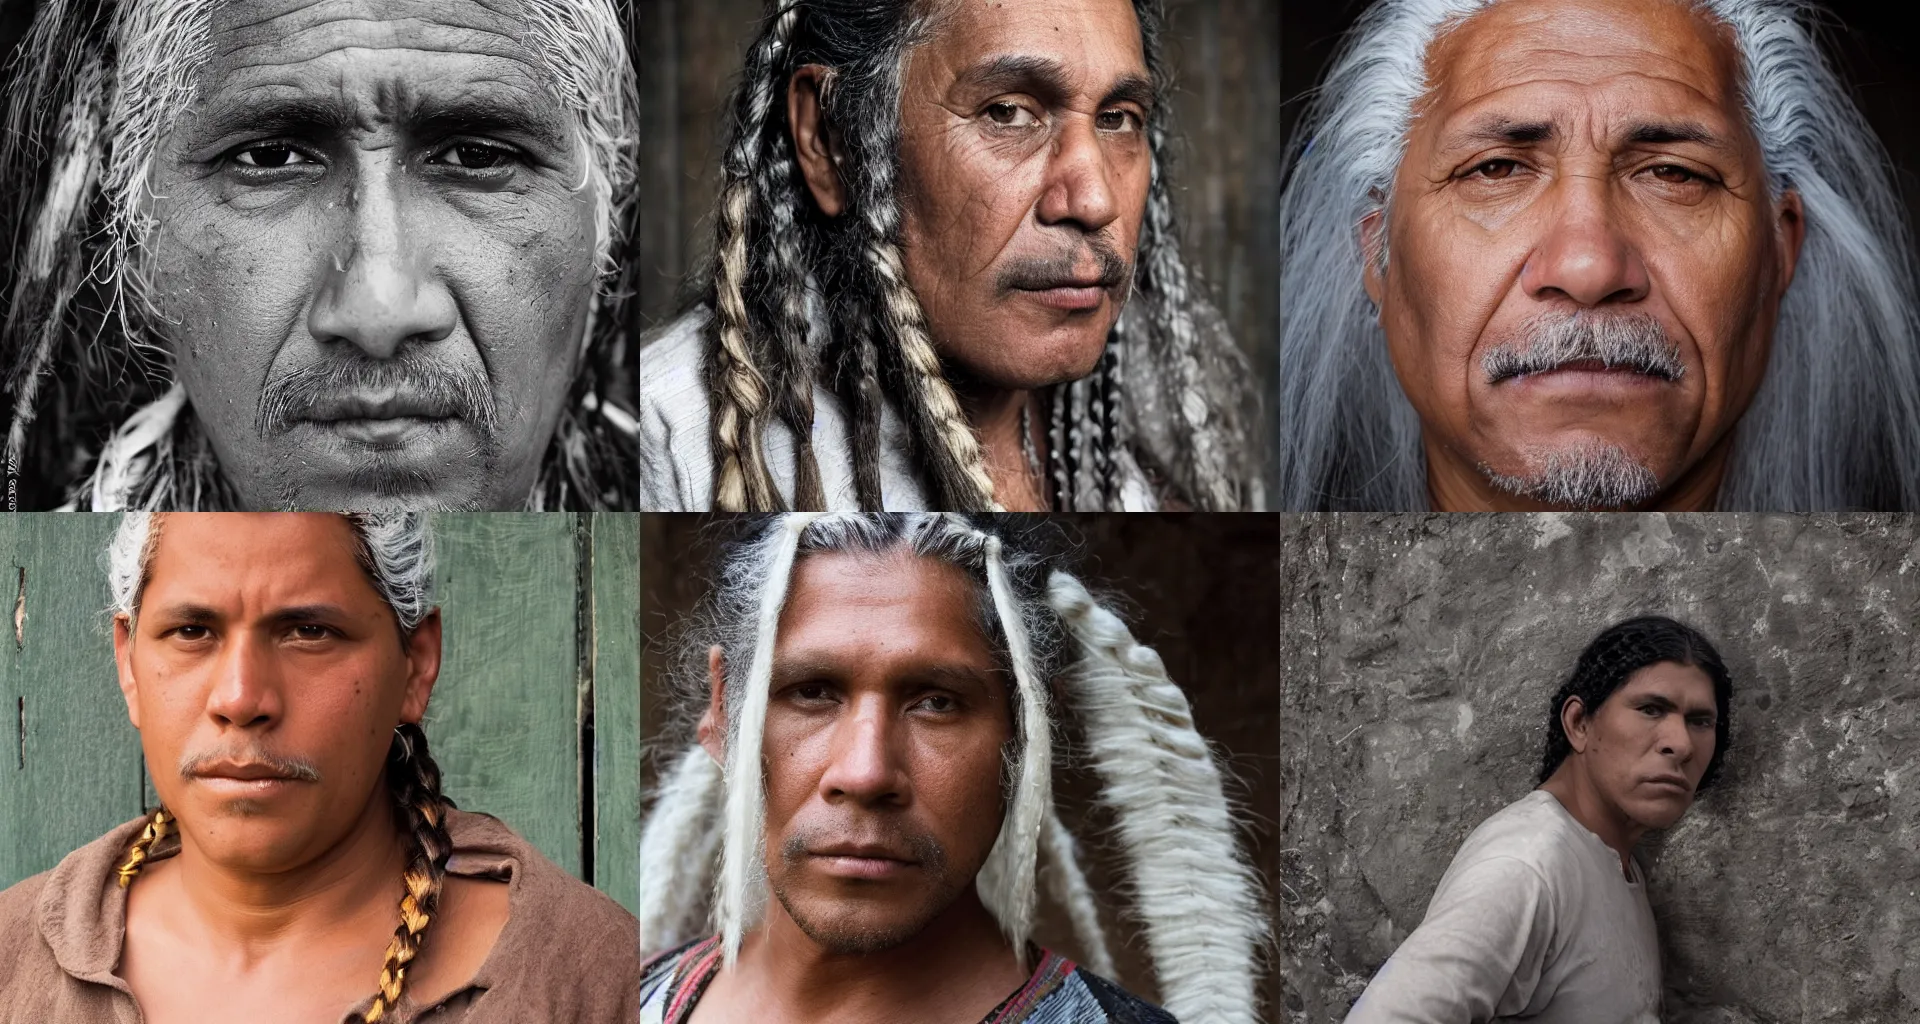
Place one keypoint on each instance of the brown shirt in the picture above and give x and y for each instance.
(568, 953)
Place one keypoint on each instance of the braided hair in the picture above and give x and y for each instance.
(396, 551)
(776, 253)
(1614, 656)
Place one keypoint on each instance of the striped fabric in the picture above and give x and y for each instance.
(1057, 992)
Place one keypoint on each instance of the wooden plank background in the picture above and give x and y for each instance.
(1203, 590)
(541, 663)
(1225, 58)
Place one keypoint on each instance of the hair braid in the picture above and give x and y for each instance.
(741, 396)
(142, 847)
(859, 386)
(778, 266)
(414, 781)
(956, 462)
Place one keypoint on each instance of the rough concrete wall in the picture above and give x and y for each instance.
(1201, 589)
(1420, 654)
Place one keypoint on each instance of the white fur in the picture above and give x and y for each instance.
(740, 891)
(1194, 891)
(678, 850)
(1006, 880)
(1068, 886)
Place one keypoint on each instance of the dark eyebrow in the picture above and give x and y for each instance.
(1506, 130)
(1048, 79)
(1662, 133)
(299, 614)
(494, 112)
(189, 614)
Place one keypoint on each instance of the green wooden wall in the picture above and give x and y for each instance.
(535, 718)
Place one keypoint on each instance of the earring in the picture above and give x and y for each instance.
(406, 745)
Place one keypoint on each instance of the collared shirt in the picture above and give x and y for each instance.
(1058, 991)
(676, 439)
(1534, 920)
(568, 954)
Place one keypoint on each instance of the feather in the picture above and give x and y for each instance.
(678, 852)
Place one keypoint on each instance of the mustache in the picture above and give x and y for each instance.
(424, 386)
(1040, 273)
(1633, 341)
(880, 832)
(193, 765)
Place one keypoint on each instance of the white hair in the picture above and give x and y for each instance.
(1835, 424)
(1195, 894)
(394, 549)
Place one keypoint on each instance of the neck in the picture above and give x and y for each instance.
(994, 413)
(959, 958)
(1573, 787)
(346, 886)
(1454, 485)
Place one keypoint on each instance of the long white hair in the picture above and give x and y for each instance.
(702, 851)
(1836, 423)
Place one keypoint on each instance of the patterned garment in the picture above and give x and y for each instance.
(1058, 992)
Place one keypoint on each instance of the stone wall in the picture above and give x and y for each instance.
(1419, 655)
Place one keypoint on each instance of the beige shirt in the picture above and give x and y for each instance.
(568, 954)
(1534, 921)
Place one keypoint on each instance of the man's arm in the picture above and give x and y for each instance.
(1478, 954)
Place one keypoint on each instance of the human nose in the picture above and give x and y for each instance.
(1584, 255)
(1676, 738)
(246, 688)
(384, 291)
(867, 765)
(1080, 188)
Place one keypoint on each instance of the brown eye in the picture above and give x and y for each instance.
(1114, 121)
(1010, 115)
(1495, 170)
(1674, 175)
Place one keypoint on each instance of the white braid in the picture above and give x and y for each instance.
(1006, 880)
(740, 892)
(1068, 886)
(1195, 895)
(682, 836)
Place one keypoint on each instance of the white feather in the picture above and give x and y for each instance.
(1194, 892)
(1006, 881)
(1069, 887)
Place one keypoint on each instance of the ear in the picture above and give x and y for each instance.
(1574, 719)
(813, 143)
(1373, 228)
(712, 730)
(123, 665)
(1790, 231)
(423, 667)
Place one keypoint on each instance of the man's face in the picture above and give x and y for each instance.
(266, 676)
(1650, 742)
(371, 258)
(1585, 258)
(1025, 168)
(885, 732)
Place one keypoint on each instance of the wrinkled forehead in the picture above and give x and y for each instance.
(1602, 63)
(374, 59)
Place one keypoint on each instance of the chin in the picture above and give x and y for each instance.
(1660, 814)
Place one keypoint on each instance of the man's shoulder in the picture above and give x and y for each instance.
(674, 352)
(588, 915)
(1532, 830)
(19, 903)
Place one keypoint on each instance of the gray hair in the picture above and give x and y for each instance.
(94, 89)
(1194, 893)
(1836, 423)
(1169, 359)
(394, 549)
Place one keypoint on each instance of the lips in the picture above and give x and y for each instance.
(243, 771)
(392, 405)
(1678, 782)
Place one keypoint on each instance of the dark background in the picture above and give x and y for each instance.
(1870, 42)
(1225, 59)
(1205, 592)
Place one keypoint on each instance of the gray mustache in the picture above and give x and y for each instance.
(1630, 341)
(426, 383)
(1040, 274)
(191, 765)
